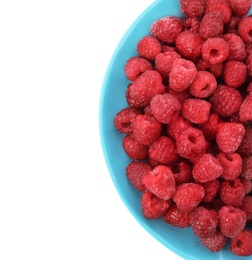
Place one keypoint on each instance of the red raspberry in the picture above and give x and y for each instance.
(180, 96)
(241, 245)
(203, 221)
(148, 47)
(147, 85)
(245, 113)
(232, 193)
(189, 45)
(211, 190)
(247, 185)
(231, 164)
(240, 8)
(182, 74)
(211, 25)
(231, 221)
(165, 107)
(215, 50)
(249, 66)
(135, 172)
(211, 127)
(207, 168)
(245, 149)
(152, 206)
(215, 242)
(235, 73)
(195, 110)
(135, 66)
(248, 48)
(226, 101)
(176, 217)
(247, 168)
(215, 69)
(124, 118)
(229, 136)
(245, 28)
(247, 207)
(160, 181)
(166, 29)
(163, 150)
(133, 149)
(232, 26)
(203, 85)
(191, 24)
(188, 196)
(166, 48)
(146, 129)
(193, 8)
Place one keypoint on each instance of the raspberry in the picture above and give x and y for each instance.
(245, 113)
(231, 221)
(152, 206)
(215, 69)
(146, 129)
(163, 150)
(196, 110)
(229, 136)
(191, 143)
(135, 172)
(247, 185)
(191, 24)
(232, 193)
(166, 48)
(247, 207)
(166, 29)
(211, 190)
(147, 85)
(215, 242)
(240, 8)
(245, 29)
(160, 181)
(188, 196)
(235, 73)
(247, 168)
(176, 217)
(207, 168)
(182, 74)
(248, 48)
(241, 245)
(215, 50)
(193, 8)
(180, 96)
(249, 65)
(189, 45)
(211, 25)
(203, 85)
(133, 149)
(249, 87)
(148, 47)
(225, 101)
(211, 127)
(245, 149)
(231, 164)
(236, 47)
(203, 221)
(124, 118)
(165, 107)
(135, 66)
(232, 26)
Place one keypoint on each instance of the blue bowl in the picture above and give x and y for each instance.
(181, 241)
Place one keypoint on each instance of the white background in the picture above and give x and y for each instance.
(57, 200)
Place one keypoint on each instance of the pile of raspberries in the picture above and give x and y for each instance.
(187, 129)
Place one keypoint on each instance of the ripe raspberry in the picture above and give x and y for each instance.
(165, 107)
(176, 217)
(211, 127)
(232, 26)
(245, 113)
(188, 196)
(215, 50)
(249, 66)
(241, 245)
(215, 69)
(146, 129)
(236, 47)
(225, 101)
(240, 8)
(203, 85)
(135, 172)
(248, 48)
(203, 221)
(231, 221)
(235, 73)
(191, 24)
(135, 66)
(215, 242)
(147, 85)
(160, 181)
(133, 149)
(211, 25)
(247, 168)
(166, 47)
(247, 185)
(180, 96)
(152, 206)
(229, 136)
(124, 118)
(245, 29)
(182, 74)
(211, 190)
(148, 47)
(207, 168)
(193, 8)
(196, 110)
(245, 149)
(163, 151)
(189, 45)
(231, 164)
(247, 207)
(166, 29)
